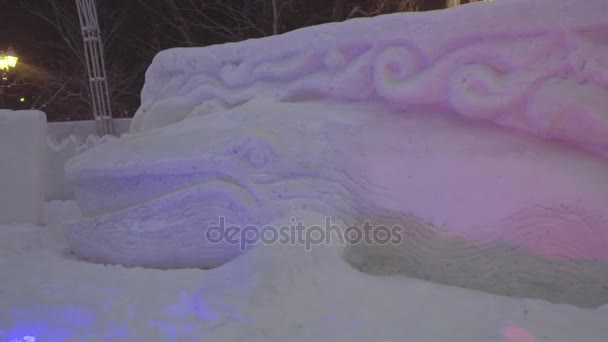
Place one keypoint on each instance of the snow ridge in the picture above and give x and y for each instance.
(512, 70)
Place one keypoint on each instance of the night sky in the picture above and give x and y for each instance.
(25, 32)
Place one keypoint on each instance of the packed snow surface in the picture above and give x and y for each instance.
(273, 294)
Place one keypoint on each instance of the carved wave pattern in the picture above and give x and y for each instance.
(551, 84)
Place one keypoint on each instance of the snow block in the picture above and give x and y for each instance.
(22, 165)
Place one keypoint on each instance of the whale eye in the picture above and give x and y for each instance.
(257, 153)
(258, 157)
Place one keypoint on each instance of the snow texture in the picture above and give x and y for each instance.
(508, 62)
(418, 120)
(273, 294)
(22, 166)
(58, 154)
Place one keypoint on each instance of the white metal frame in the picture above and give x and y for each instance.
(94, 57)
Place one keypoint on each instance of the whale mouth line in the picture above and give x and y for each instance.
(158, 168)
(213, 185)
(226, 182)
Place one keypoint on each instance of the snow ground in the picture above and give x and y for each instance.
(46, 295)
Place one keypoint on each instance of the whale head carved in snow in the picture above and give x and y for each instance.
(150, 198)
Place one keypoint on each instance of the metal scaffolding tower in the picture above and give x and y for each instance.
(93, 50)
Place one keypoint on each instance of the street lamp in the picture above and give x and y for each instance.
(8, 61)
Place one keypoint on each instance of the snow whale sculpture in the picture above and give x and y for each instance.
(473, 142)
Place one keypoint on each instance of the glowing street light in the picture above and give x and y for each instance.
(8, 60)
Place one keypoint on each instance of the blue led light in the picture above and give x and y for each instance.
(25, 339)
